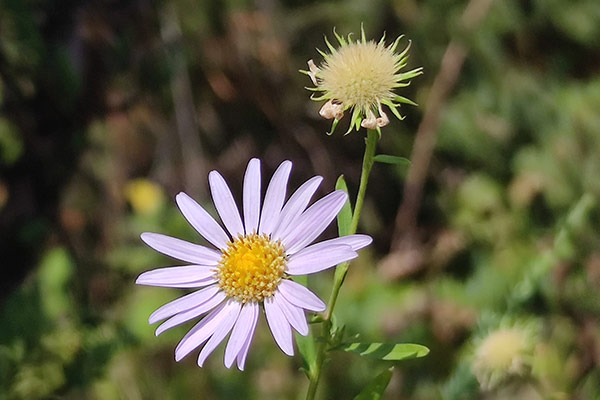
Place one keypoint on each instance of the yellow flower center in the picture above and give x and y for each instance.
(360, 74)
(251, 267)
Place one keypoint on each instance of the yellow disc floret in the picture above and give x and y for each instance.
(252, 267)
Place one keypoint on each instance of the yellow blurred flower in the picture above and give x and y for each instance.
(144, 196)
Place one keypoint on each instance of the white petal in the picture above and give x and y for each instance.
(202, 221)
(318, 257)
(201, 331)
(243, 329)
(294, 315)
(280, 327)
(183, 303)
(314, 221)
(189, 285)
(180, 249)
(252, 196)
(274, 198)
(296, 205)
(300, 296)
(222, 330)
(243, 354)
(192, 313)
(175, 275)
(357, 241)
(225, 204)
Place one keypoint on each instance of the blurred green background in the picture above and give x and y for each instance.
(109, 108)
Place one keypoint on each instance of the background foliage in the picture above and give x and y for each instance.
(109, 108)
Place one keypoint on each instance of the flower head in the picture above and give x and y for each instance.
(361, 75)
(252, 265)
(504, 352)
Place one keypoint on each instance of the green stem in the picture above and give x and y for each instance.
(368, 160)
(315, 372)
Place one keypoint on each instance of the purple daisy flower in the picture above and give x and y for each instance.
(251, 265)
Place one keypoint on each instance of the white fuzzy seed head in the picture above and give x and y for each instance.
(503, 353)
(361, 76)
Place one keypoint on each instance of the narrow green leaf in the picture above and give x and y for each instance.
(345, 216)
(318, 98)
(339, 38)
(344, 219)
(402, 99)
(395, 44)
(393, 108)
(410, 74)
(313, 89)
(387, 159)
(306, 344)
(405, 51)
(374, 390)
(355, 117)
(333, 125)
(382, 40)
(362, 33)
(306, 348)
(385, 351)
(323, 54)
(331, 48)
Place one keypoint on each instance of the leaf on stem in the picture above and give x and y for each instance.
(374, 390)
(344, 218)
(386, 351)
(388, 159)
(306, 344)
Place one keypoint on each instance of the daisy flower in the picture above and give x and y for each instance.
(251, 266)
(362, 76)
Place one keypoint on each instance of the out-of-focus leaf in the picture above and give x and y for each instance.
(11, 144)
(54, 274)
(387, 351)
(345, 216)
(374, 390)
(388, 159)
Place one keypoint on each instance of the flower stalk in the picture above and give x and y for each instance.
(314, 374)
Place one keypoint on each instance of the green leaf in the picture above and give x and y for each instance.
(306, 348)
(344, 219)
(402, 99)
(354, 120)
(385, 351)
(306, 344)
(387, 159)
(374, 390)
(345, 216)
(333, 125)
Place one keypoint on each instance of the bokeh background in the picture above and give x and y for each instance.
(486, 247)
